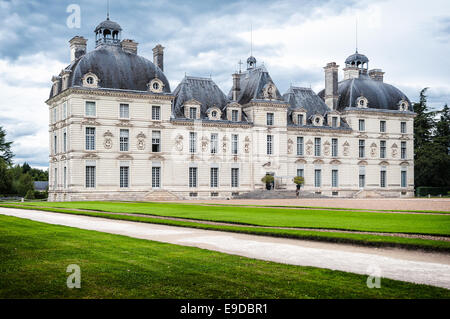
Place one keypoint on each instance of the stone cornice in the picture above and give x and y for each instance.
(377, 112)
(318, 129)
(212, 124)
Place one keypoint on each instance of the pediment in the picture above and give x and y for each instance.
(90, 156)
(124, 157)
(300, 161)
(192, 102)
(156, 157)
(360, 163)
(383, 163)
(335, 162)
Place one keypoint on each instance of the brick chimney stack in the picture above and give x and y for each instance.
(331, 85)
(158, 56)
(77, 47)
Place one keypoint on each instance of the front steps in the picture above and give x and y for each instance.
(277, 194)
(161, 195)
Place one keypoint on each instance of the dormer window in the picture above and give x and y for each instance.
(300, 119)
(317, 120)
(334, 121)
(193, 113)
(214, 113)
(234, 115)
(90, 80)
(362, 102)
(156, 86)
(403, 105)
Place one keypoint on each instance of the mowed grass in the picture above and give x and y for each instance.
(278, 217)
(34, 257)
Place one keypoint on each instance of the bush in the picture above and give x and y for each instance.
(299, 180)
(30, 194)
(40, 195)
(268, 179)
(433, 191)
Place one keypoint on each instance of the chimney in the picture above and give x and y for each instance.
(236, 86)
(376, 75)
(129, 46)
(158, 56)
(331, 85)
(77, 47)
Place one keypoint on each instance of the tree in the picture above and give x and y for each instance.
(6, 179)
(5, 148)
(299, 180)
(24, 184)
(268, 180)
(442, 131)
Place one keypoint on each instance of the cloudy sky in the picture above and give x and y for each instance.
(408, 39)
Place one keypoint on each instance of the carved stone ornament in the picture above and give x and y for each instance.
(247, 144)
(270, 91)
(108, 140)
(326, 148)
(179, 142)
(309, 147)
(394, 150)
(373, 150)
(204, 142)
(141, 141)
(290, 146)
(346, 148)
(224, 144)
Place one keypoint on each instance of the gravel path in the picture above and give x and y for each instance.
(412, 266)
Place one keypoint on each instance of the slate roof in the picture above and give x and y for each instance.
(108, 24)
(252, 83)
(299, 97)
(203, 90)
(41, 186)
(380, 95)
(357, 57)
(116, 69)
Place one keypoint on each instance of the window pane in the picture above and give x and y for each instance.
(235, 177)
(269, 144)
(90, 108)
(90, 176)
(334, 147)
(124, 111)
(156, 112)
(317, 178)
(234, 115)
(124, 176)
(334, 178)
(214, 141)
(362, 125)
(192, 176)
(234, 144)
(317, 146)
(269, 118)
(156, 141)
(124, 138)
(90, 138)
(192, 142)
(300, 145)
(214, 176)
(156, 177)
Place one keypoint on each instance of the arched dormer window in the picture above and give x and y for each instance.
(362, 102)
(403, 105)
(90, 80)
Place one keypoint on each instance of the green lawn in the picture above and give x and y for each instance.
(313, 218)
(34, 257)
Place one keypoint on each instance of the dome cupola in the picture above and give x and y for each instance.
(355, 65)
(107, 32)
(251, 62)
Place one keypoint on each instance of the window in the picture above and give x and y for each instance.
(382, 149)
(234, 115)
(156, 141)
(65, 177)
(90, 176)
(334, 178)
(269, 119)
(334, 147)
(192, 142)
(55, 115)
(317, 178)
(124, 111)
(55, 179)
(300, 119)
(269, 144)
(90, 138)
(90, 80)
(193, 113)
(124, 176)
(124, 140)
(156, 177)
(65, 110)
(156, 113)
(300, 145)
(383, 178)
(300, 172)
(362, 148)
(235, 177)
(55, 144)
(214, 141)
(90, 109)
(403, 127)
(234, 144)
(403, 181)
(65, 142)
(192, 176)
(334, 121)
(214, 114)
(403, 150)
(362, 125)
(317, 146)
(214, 177)
(362, 180)
(382, 126)
(155, 86)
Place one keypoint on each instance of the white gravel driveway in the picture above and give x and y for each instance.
(412, 266)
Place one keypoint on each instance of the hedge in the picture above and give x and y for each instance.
(433, 191)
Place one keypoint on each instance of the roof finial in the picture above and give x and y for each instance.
(251, 39)
(240, 66)
(356, 36)
(107, 9)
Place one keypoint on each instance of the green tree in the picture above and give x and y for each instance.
(268, 180)
(442, 131)
(299, 180)
(5, 148)
(423, 122)
(6, 179)
(24, 184)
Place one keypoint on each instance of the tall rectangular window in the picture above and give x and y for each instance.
(403, 181)
(317, 146)
(269, 144)
(214, 143)
(334, 178)
(382, 126)
(382, 149)
(55, 115)
(403, 127)
(235, 177)
(403, 150)
(214, 176)
(55, 178)
(334, 147)
(234, 115)
(156, 141)
(192, 176)
(234, 144)
(362, 148)
(90, 109)
(192, 142)
(300, 145)
(124, 176)
(65, 141)
(383, 178)
(269, 119)
(65, 177)
(362, 125)
(156, 177)
(90, 138)
(300, 172)
(64, 110)
(124, 140)
(124, 111)
(55, 144)
(156, 112)
(362, 180)
(317, 178)
(300, 119)
(193, 113)
(334, 121)
(90, 176)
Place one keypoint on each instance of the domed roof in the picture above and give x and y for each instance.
(116, 69)
(357, 57)
(251, 59)
(108, 24)
(379, 95)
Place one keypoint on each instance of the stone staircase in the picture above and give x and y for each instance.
(161, 195)
(277, 194)
(367, 194)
